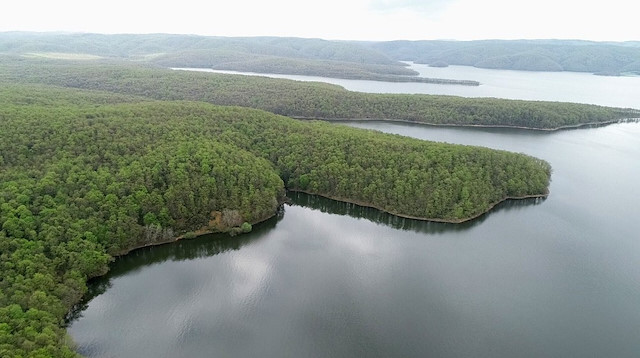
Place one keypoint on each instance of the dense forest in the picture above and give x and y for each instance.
(302, 99)
(307, 67)
(606, 58)
(85, 175)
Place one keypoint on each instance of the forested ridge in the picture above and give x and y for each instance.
(86, 174)
(606, 58)
(314, 57)
(151, 46)
(303, 99)
(308, 67)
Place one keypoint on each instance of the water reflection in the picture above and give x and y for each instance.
(214, 244)
(379, 217)
(337, 280)
(200, 247)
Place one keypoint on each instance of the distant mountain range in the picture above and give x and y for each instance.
(608, 58)
(340, 59)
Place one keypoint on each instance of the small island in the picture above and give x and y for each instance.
(441, 64)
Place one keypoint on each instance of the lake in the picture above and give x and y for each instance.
(578, 87)
(534, 278)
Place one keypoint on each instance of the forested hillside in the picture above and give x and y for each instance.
(313, 57)
(139, 46)
(532, 55)
(254, 54)
(340, 59)
(88, 174)
(307, 67)
(303, 99)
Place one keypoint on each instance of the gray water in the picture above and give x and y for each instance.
(558, 277)
(578, 87)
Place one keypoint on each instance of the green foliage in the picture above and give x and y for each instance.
(246, 227)
(189, 235)
(304, 99)
(80, 182)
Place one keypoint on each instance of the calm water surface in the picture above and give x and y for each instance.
(538, 278)
(556, 277)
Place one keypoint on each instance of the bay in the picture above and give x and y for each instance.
(553, 277)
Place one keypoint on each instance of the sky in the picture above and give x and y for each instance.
(613, 20)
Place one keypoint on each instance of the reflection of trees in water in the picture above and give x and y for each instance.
(210, 245)
(356, 211)
(202, 246)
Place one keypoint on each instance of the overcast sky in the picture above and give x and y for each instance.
(612, 20)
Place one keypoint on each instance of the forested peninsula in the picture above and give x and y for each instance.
(303, 99)
(85, 175)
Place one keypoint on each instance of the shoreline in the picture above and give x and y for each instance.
(376, 77)
(287, 200)
(201, 232)
(198, 233)
(446, 221)
(491, 126)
